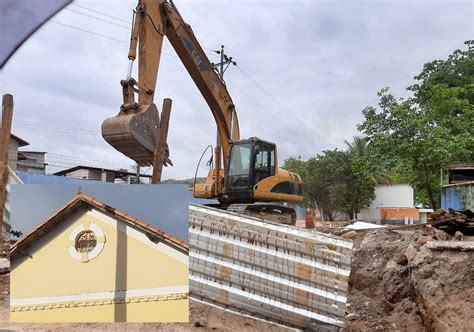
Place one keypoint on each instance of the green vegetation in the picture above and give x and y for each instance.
(404, 141)
(332, 182)
(414, 137)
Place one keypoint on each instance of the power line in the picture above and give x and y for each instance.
(102, 13)
(82, 131)
(267, 111)
(74, 161)
(91, 32)
(97, 18)
(66, 161)
(103, 36)
(256, 103)
(267, 93)
(73, 131)
(214, 52)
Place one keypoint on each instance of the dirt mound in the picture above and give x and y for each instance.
(397, 283)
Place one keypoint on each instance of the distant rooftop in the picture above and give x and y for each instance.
(21, 142)
(460, 166)
(119, 172)
(34, 178)
(28, 151)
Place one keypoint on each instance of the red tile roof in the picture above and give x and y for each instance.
(74, 204)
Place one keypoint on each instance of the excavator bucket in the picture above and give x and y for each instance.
(134, 134)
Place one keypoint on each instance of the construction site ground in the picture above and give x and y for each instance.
(397, 283)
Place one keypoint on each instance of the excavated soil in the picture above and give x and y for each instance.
(398, 284)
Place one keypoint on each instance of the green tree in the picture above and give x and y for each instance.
(363, 163)
(358, 146)
(434, 127)
(329, 181)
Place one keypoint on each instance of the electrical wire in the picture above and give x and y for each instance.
(117, 18)
(103, 36)
(79, 131)
(97, 18)
(87, 31)
(296, 134)
(259, 86)
(267, 93)
(68, 161)
(99, 12)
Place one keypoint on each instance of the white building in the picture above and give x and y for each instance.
(397, 199)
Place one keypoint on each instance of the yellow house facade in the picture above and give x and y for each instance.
(90, 262)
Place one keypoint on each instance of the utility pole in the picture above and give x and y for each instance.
(220, 68)
(5, 133)
(225, 61)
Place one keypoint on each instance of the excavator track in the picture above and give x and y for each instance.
(272, 212)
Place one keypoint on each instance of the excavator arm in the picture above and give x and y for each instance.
(250, 170)
(134, 132)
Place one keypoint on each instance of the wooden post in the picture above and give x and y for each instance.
(159, 156)
(5, 132)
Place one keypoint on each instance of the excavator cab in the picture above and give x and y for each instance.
(250, 161)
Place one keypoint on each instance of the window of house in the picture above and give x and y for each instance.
(86, 242)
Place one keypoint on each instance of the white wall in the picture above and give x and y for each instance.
(394, 196)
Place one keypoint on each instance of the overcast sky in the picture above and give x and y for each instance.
(162, 206)
(319, 63)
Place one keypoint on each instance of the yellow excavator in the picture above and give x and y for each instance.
(250, 181)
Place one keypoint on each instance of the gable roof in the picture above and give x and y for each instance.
(21, 142)
(82, 200)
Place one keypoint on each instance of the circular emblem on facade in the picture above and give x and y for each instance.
(86, 242)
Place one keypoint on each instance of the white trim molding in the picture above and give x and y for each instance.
(98, 296)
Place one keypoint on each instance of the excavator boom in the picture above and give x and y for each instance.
(245, 171)
(133, 132)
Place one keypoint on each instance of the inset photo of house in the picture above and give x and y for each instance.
(100, 253)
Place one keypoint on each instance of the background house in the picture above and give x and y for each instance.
(94, 263)
(31, 162)
(26, 161)
(102, 174)
(393, 204)
(15, 143)
(458, 193)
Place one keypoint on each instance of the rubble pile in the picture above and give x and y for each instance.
(452, 221)
(398, 283)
